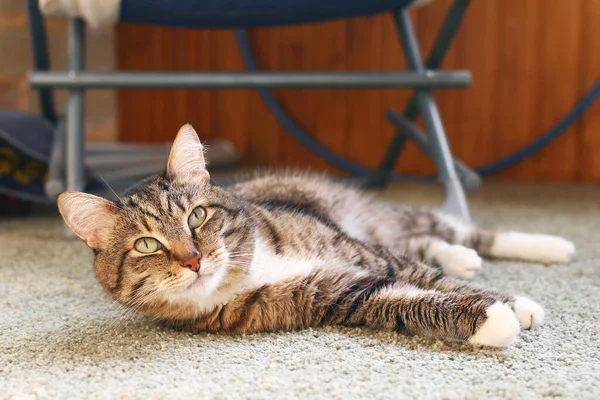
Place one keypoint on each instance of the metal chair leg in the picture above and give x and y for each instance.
(440, 46)
(55, 184)
(74, 132)
(455, 200)
(75, 110)
(381, 176)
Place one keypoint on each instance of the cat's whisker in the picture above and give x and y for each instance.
(239, 267)
(144, 295)
(140, 299)
(108, 186)
(114, 306)
(132, 310)
(239, 264)
(233, 254)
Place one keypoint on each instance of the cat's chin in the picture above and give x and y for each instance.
(200, 281)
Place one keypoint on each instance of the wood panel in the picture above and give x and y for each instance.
(531, 62)
(588, 128)
(519, 61)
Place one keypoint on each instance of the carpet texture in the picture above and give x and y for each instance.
(61, 338)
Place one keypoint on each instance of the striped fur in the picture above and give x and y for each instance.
(288, 251)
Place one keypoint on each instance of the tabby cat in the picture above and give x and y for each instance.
(292, 251)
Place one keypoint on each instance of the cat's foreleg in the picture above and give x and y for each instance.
(473, 317)
(359, 298)
(529, 313)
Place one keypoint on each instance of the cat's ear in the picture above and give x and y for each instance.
(186, 160)
(91, 217)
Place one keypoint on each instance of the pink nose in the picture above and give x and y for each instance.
(194, 262)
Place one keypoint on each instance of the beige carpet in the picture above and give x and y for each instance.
(60, 338)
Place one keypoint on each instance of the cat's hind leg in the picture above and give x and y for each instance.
(540, 248)
(400, 225)
(532, 247)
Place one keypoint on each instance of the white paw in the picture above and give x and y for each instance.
(545, 249)
(500, 329)
(456, 260)
(529, 313)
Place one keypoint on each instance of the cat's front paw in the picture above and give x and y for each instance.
(500, 328)
(457, 260)
(530, 314)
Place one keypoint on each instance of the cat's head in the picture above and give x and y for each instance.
(170, 244)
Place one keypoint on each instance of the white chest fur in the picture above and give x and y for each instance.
(269, 268)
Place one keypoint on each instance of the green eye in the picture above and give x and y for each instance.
(197, 217)
(147, 245)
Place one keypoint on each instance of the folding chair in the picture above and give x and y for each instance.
(422, 77)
